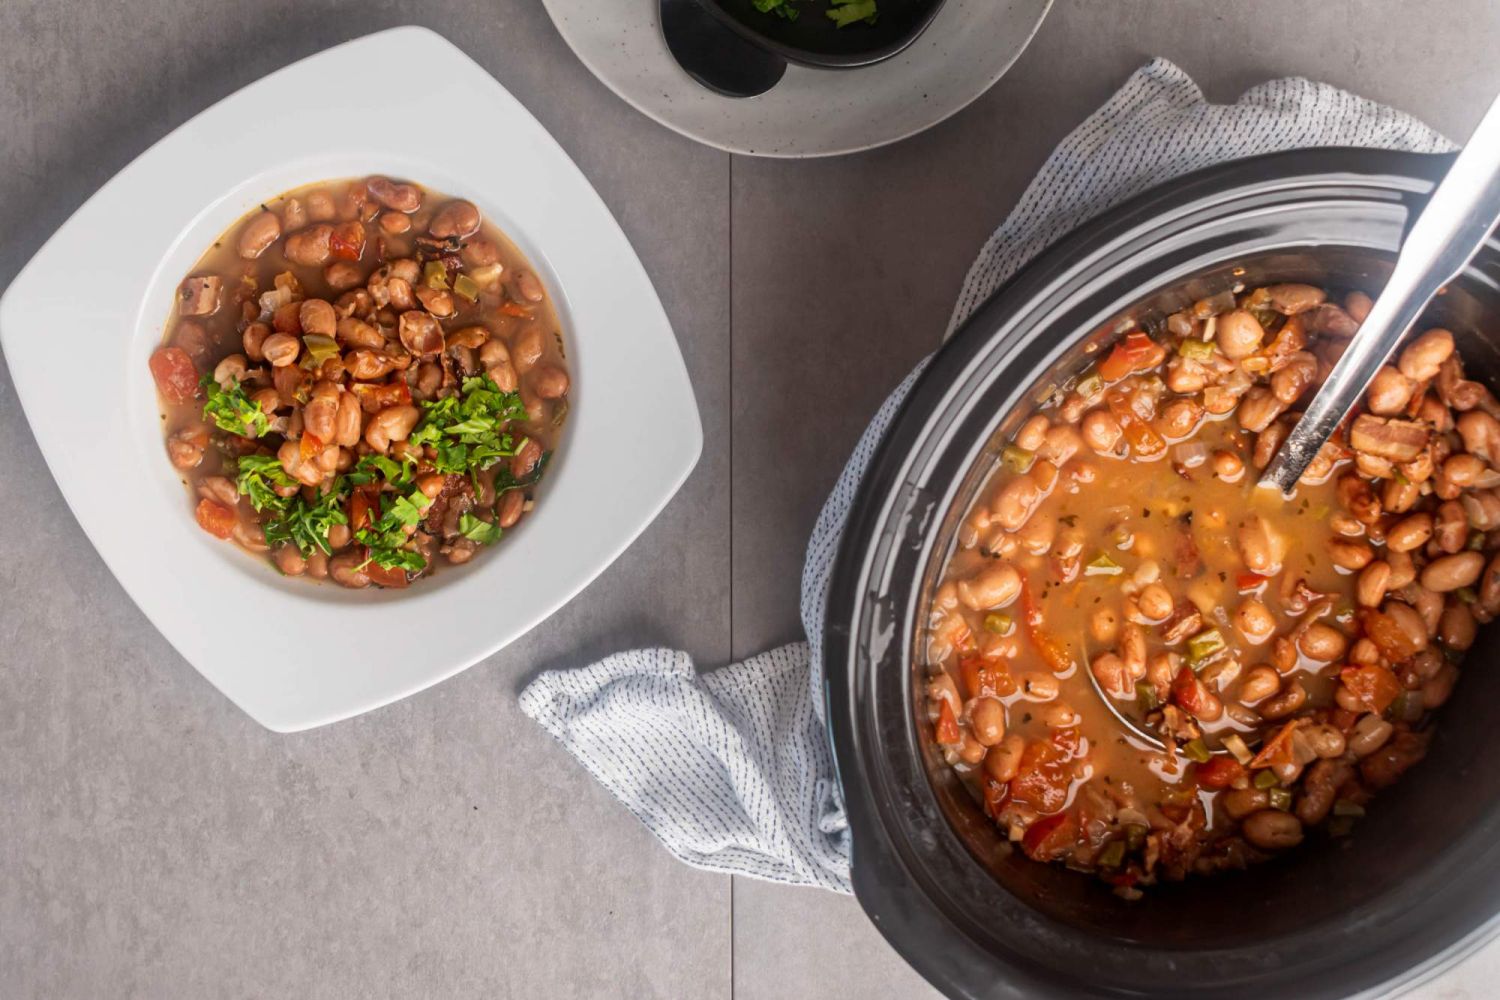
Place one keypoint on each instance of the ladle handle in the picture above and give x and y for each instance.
(1453, 226)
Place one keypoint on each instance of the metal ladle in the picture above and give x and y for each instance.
(1452, 228)
(1445, 237)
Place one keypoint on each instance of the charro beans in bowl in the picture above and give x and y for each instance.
(362, 380)
(1307, 640)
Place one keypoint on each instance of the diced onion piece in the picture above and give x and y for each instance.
(1190, 454)
(1236, 746)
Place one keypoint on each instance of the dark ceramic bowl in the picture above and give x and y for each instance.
(815, 40)
(1416, 885)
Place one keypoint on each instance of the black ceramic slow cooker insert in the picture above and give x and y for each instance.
(1418, 882)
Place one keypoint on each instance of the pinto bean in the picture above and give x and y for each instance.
(549, 382)
(1254, 621)
(1421, 359)
(1259, 683)
(523, 461)
(508, 510)
(1451, 530)
(1481, 435)
(318, 317)
(1261, 546)
(281, 349)
(1389, 392)
(1409, 534)
(1016, 501)
(1272, 829)
(310, 247)
(1451, 572)
(391, 424)
(1241, 802)
(1101, 431)
(1370, 734)
(992, 587)
(530, 286)
(1320, 787)
(1291, 299)
(257, 235)
(1437, 690)
(1322, 642)
(1004, 760)
(1258, 409)
(455, 219)
(1227, 466)
(1285, 702)
(1239, 334)
(346, 570)
(1457, 628)
(1350, 555)
(420, 333)
(348, 424)
(1373, 582)
(396, 197)
(1290, 382)
(987, 721)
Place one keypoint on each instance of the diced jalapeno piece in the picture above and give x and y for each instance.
(999, 624)
(1016, 458)
(1196, 750)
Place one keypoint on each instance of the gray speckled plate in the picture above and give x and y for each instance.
(811, 112)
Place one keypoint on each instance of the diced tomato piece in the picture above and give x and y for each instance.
(1136, 353)
(510, 308)
(1190, 693)
(361, 501)
(1247, 582)
(1343, 719)
(985, 678)
(1050, 837)
(215, 518)
(995, 795)
(1219, 772)
(947, 726)
(383, 577)
(288, 319)
(1278, 749)
(1144, 441)
(374, 398)
(1375, 687)
(1385, 633)
(176, 376)
(1068, 739)
(348, 241)
(1043, 776)
(1054, 650)
(309, 447)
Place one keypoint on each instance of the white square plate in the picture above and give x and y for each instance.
(315, 654)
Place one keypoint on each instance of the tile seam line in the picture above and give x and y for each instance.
(729, 214)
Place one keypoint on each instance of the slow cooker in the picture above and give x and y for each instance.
(1416, 886)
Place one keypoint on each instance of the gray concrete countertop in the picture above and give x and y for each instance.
(154, 842)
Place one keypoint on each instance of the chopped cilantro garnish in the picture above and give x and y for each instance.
(846, 12)
(231, 410)
(305, 524)
(257, 479)
(372, 467)
(468, 431)
(781, 8)
(478, 530)
(386, 536)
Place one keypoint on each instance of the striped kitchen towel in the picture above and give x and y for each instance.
(731, 769)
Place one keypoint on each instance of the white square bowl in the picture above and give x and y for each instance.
(316, 654)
